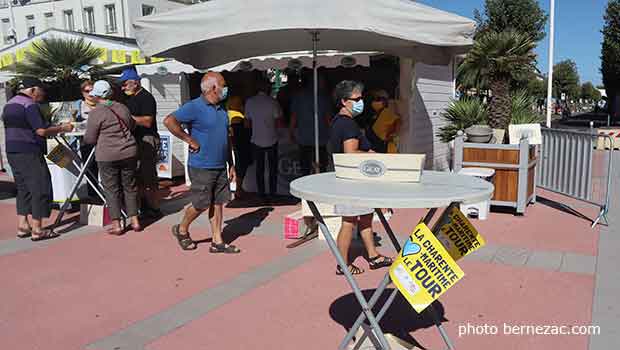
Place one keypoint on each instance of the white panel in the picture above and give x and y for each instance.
(433, 90)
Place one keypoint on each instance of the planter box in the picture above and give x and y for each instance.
(514, 165)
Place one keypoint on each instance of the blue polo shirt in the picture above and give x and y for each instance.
(208, 125)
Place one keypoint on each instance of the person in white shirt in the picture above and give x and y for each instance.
(261, 114)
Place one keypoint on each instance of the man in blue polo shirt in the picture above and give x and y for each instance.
(210, 152)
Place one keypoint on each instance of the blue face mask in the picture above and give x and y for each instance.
(224, 93)
(357, 108)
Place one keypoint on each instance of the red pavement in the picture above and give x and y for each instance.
(76, 291)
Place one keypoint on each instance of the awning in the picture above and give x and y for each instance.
(116, 50)
(292, 60)
(220, 31)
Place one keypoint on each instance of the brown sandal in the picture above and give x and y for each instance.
(44, 235)
(23, 233)
(352, 268)
(185, 241)
(379, 261)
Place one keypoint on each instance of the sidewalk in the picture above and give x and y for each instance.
(89, 290)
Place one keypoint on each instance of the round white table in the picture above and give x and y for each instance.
(435, 190)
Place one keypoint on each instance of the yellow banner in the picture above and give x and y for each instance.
(7, 59)
(136, 58)
(459, 236)
(20, 54)
(119, 56)
(157, 59)
(424, 270)
(104, 55)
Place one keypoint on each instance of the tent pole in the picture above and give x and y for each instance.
(550, 77)
(315, 40)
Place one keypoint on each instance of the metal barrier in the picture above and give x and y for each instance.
(566, 166)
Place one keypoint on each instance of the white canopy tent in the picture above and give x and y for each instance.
(218, 31)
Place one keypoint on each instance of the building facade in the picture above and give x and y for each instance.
(21, 19)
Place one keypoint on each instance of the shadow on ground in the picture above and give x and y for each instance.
(400, 320)
(244, 224)
(251, 200)
(562, 207)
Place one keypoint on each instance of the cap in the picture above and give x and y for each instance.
(129, 74)
(28, 82)
(101, 88)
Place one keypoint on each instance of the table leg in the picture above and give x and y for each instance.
(433, 312)
(386, 280)
(97, 186)
(354, 286)
(74, 189)
(94, 182)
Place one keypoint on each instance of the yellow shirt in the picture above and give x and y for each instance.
(235, 117)
(384, 123)
(235, 110)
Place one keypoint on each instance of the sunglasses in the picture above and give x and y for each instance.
(355, 99)
(87, 91)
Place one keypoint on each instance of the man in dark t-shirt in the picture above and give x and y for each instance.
(143, 108)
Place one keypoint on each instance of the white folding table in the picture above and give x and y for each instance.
(435, 190)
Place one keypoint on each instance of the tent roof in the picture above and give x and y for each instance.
(221, 31)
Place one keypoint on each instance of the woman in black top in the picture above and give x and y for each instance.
(346, 137)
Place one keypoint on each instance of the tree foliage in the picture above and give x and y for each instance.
(499, 58)
(523, 16)
(610, 53)
(566, 79)
(469, 111)
(61, 63)
(537, 87)
(589, 92)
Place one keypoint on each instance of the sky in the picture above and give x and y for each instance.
(578, 25)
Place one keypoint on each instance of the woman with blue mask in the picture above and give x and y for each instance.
(346, 137)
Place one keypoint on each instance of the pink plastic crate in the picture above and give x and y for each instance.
(294, 225)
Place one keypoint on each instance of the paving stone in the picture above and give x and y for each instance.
(545, 260)
(511, 256)
(484, 254)
(578, 263)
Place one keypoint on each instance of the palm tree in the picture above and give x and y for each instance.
(498, 59)
(61, 63)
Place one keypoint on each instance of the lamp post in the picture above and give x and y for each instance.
(550, 77)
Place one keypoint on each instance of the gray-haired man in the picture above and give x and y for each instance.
(210, 151)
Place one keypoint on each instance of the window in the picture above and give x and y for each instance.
(147, 10)
(49, 20)
(89, 20)
(69, 22)
(7, 36)
(110, 19)
(30, 26)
